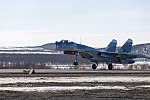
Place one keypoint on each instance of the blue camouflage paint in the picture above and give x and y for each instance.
(112, 46)
(126, 48)
(67, 45)
(123, 56)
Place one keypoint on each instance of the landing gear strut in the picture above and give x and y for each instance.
(76, 60)
(110, 66)
(94, 66)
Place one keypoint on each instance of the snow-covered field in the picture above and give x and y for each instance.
(33, 80)
(74, 79)
(64, 88)
(26, 50)
(9, 80)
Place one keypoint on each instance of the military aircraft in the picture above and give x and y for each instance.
(108, 56)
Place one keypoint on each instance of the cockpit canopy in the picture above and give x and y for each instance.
(64, 42)
(69, 45)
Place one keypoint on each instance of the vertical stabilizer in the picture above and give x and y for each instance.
(126, 48)
(112, 46)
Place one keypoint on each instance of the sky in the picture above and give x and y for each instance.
(90, 22)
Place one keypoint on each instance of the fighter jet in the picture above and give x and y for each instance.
(108, 56)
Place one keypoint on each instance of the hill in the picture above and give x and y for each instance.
(142, 49)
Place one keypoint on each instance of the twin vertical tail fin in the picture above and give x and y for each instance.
(126, 48)
(112, 46)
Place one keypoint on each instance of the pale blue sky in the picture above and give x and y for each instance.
(94, 22)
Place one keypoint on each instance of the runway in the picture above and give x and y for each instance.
(74, 71)
(74, 84)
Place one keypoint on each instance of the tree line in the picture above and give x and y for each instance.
(38, 60)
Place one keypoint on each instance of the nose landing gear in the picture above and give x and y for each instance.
(75, 63)
(76, 60)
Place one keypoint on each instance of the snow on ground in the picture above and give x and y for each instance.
(60, 88)
(142, 62)
(68, 88)
(27, 52)
(10, 80)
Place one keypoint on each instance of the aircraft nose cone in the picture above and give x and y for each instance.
(49, 46)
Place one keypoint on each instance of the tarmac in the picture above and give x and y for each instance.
(74, 71)
(74, 84)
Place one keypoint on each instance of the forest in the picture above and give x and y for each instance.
(38, 60)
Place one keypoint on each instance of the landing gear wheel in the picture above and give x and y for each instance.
(75, 63)
(94, 66)
(110, 66)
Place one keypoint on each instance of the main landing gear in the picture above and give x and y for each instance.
(94, 66)
(110, 66)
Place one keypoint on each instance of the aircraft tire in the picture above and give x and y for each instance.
(110, 66)
(75, 63)
(94, 66)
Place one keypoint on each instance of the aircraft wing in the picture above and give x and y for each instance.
(92, 53)
(106, 54)
(114, 54)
